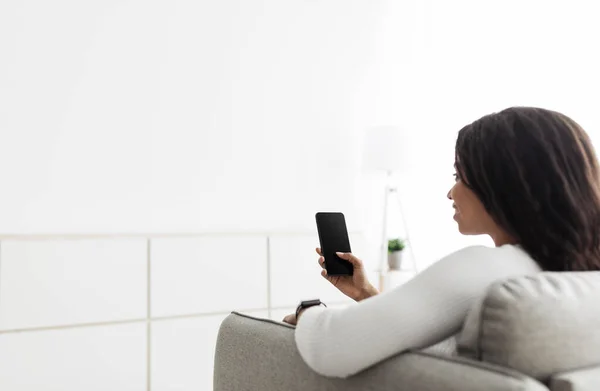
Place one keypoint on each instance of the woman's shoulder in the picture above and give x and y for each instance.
(508, 257)
(507, 250)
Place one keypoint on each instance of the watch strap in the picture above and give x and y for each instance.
(307, 304)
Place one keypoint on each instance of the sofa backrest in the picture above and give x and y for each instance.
(539, 325)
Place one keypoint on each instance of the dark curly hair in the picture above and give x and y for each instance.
(537, 175)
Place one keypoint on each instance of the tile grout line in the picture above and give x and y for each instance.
(149, 320)
(207, 314)
(73, 326)
(269, 277)
(149, 316)
(159, 235)
(0, 277)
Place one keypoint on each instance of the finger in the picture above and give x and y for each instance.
(318, 250)
(328, 278)
(322, 262)
(350, 258)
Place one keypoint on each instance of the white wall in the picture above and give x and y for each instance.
(199, 116)
(241, 116)
(171, 116)
(441, 65)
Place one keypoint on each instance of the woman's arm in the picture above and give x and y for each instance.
(431, 307)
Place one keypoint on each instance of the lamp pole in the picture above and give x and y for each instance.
(389, 189)
(384, 239)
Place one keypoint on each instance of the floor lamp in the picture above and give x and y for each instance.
(384, 148)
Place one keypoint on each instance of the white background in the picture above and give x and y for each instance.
(240, 116)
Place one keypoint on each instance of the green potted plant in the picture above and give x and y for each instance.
(395, 248)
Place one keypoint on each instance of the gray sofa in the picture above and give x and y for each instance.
(530, 333)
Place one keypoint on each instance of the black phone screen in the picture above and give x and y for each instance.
(333, 237)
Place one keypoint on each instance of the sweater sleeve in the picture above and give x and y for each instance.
(340, 342)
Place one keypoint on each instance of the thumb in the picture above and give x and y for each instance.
(350, 258)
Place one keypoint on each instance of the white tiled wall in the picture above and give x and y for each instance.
(208, 274)
(97, 358)
(141, 313)
(62, 282)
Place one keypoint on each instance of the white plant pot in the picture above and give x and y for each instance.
(395, 260)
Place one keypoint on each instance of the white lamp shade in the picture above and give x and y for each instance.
(385, 148)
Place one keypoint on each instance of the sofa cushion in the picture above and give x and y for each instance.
(538, 325)
(587, 379)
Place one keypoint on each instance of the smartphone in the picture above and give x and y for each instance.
(333, 237)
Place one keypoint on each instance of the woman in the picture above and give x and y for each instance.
(529, 178)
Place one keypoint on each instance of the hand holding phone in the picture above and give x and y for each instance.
(333, 237)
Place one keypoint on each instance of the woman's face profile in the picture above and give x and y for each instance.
(470, 214)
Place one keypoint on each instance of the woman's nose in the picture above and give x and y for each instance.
(449, 195)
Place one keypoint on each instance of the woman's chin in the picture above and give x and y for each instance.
(461, 227)
(456, 217)
(465, 231)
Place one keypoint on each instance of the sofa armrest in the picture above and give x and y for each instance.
(587, 379)
(260, 354)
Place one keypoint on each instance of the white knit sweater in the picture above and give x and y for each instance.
(340, 342)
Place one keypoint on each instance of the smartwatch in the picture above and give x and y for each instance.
(307, 304)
